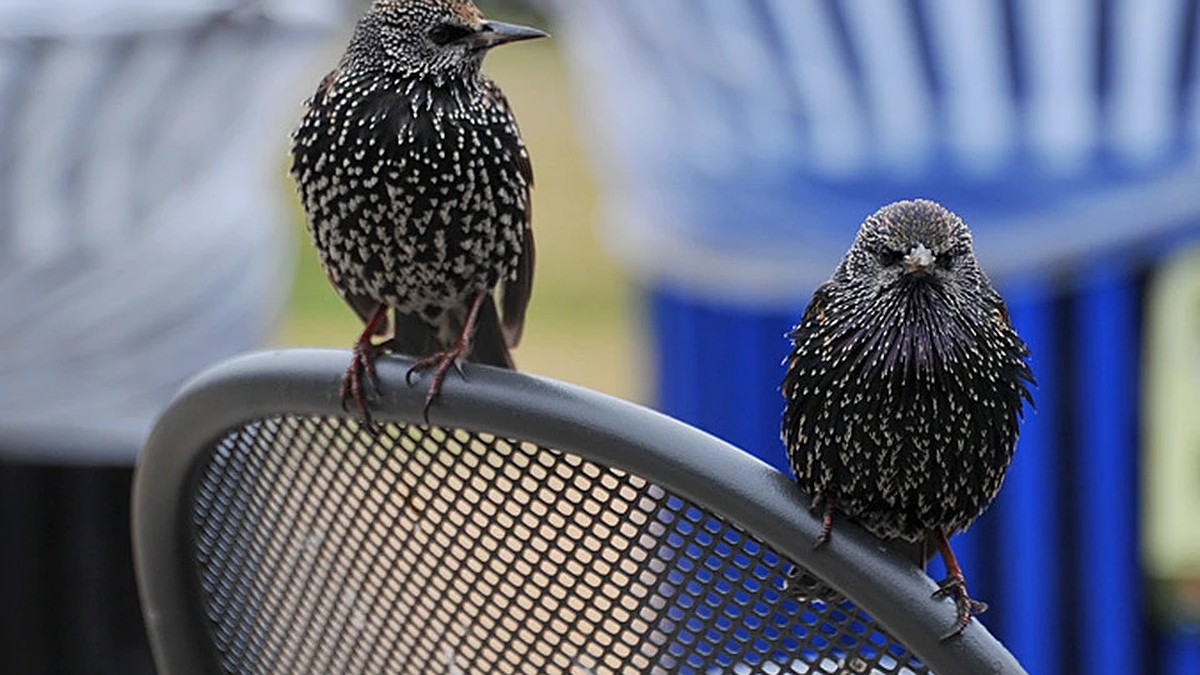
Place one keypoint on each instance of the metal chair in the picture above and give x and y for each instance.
(536, 527)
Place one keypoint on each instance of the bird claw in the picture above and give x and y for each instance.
(433, 393)
(452, 356)
(441, 364)
(955, 586)
(361, 367)
(828, 504)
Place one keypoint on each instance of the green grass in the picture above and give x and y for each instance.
(582, 324)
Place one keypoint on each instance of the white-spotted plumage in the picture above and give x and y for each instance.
(416, 184)
(906, 379)
(904, 389)
(414, 176)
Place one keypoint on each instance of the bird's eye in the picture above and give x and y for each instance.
(946, 260)
(444, 34)
(889, 257)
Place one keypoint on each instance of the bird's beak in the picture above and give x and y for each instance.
(919, 260)
(495, 33)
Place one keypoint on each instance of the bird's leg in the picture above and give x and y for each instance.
(451, 357)
(829, 503)
(363, 366)
(955, 584)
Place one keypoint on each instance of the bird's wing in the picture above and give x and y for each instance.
(794, 415)
(318, 98)
(1024, 374)
(814, 314)
(517, 291)
(490, 344)
(518, 288)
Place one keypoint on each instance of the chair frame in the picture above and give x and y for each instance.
(680, 458)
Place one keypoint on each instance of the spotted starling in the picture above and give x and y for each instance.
(904, 387)
(417, 187)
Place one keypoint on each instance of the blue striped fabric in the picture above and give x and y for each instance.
(141, 222)
(1056, 127)
(743, 142)
(1026, 515)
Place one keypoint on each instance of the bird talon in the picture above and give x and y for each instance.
(408, 376)
(949, 586)
(826, 520)
(428, 404)
(373, 379)
(362, 366)
(955, 586)
(352, 391)
(441, 363)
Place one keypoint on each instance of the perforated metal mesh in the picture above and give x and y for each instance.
(322, 547)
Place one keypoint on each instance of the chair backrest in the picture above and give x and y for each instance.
(535, 527)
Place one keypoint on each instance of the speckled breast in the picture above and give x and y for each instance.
(905, 449)
(417, 199)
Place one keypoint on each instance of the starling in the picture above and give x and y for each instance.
(905, 386)
(416, 184)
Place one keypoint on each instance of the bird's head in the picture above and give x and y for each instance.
(430, 37)
(912, 245)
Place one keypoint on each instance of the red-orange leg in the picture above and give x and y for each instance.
(362, 367)
(829, 504)
(955, 584)
(451, 357)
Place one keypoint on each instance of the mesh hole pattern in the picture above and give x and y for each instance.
(324, 547)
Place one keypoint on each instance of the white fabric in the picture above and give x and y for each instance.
(141, 231)
(76, 17)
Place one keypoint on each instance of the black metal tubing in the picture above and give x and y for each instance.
(682, 459)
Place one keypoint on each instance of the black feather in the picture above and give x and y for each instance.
(416, 181)
(904, 388)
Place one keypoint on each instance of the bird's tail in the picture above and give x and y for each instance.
(418, 338)
(414, 336)
(490, 347)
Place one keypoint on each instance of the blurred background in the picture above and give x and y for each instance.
(701, 166)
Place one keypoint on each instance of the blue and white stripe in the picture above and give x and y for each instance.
(750, 138)
(141, 229)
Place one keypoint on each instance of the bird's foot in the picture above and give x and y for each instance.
(360, 383)
(441, 363)
(453, 356)
(826, 520)
(955, 586)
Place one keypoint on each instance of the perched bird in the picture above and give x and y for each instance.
(904, 387)
(417, 184)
